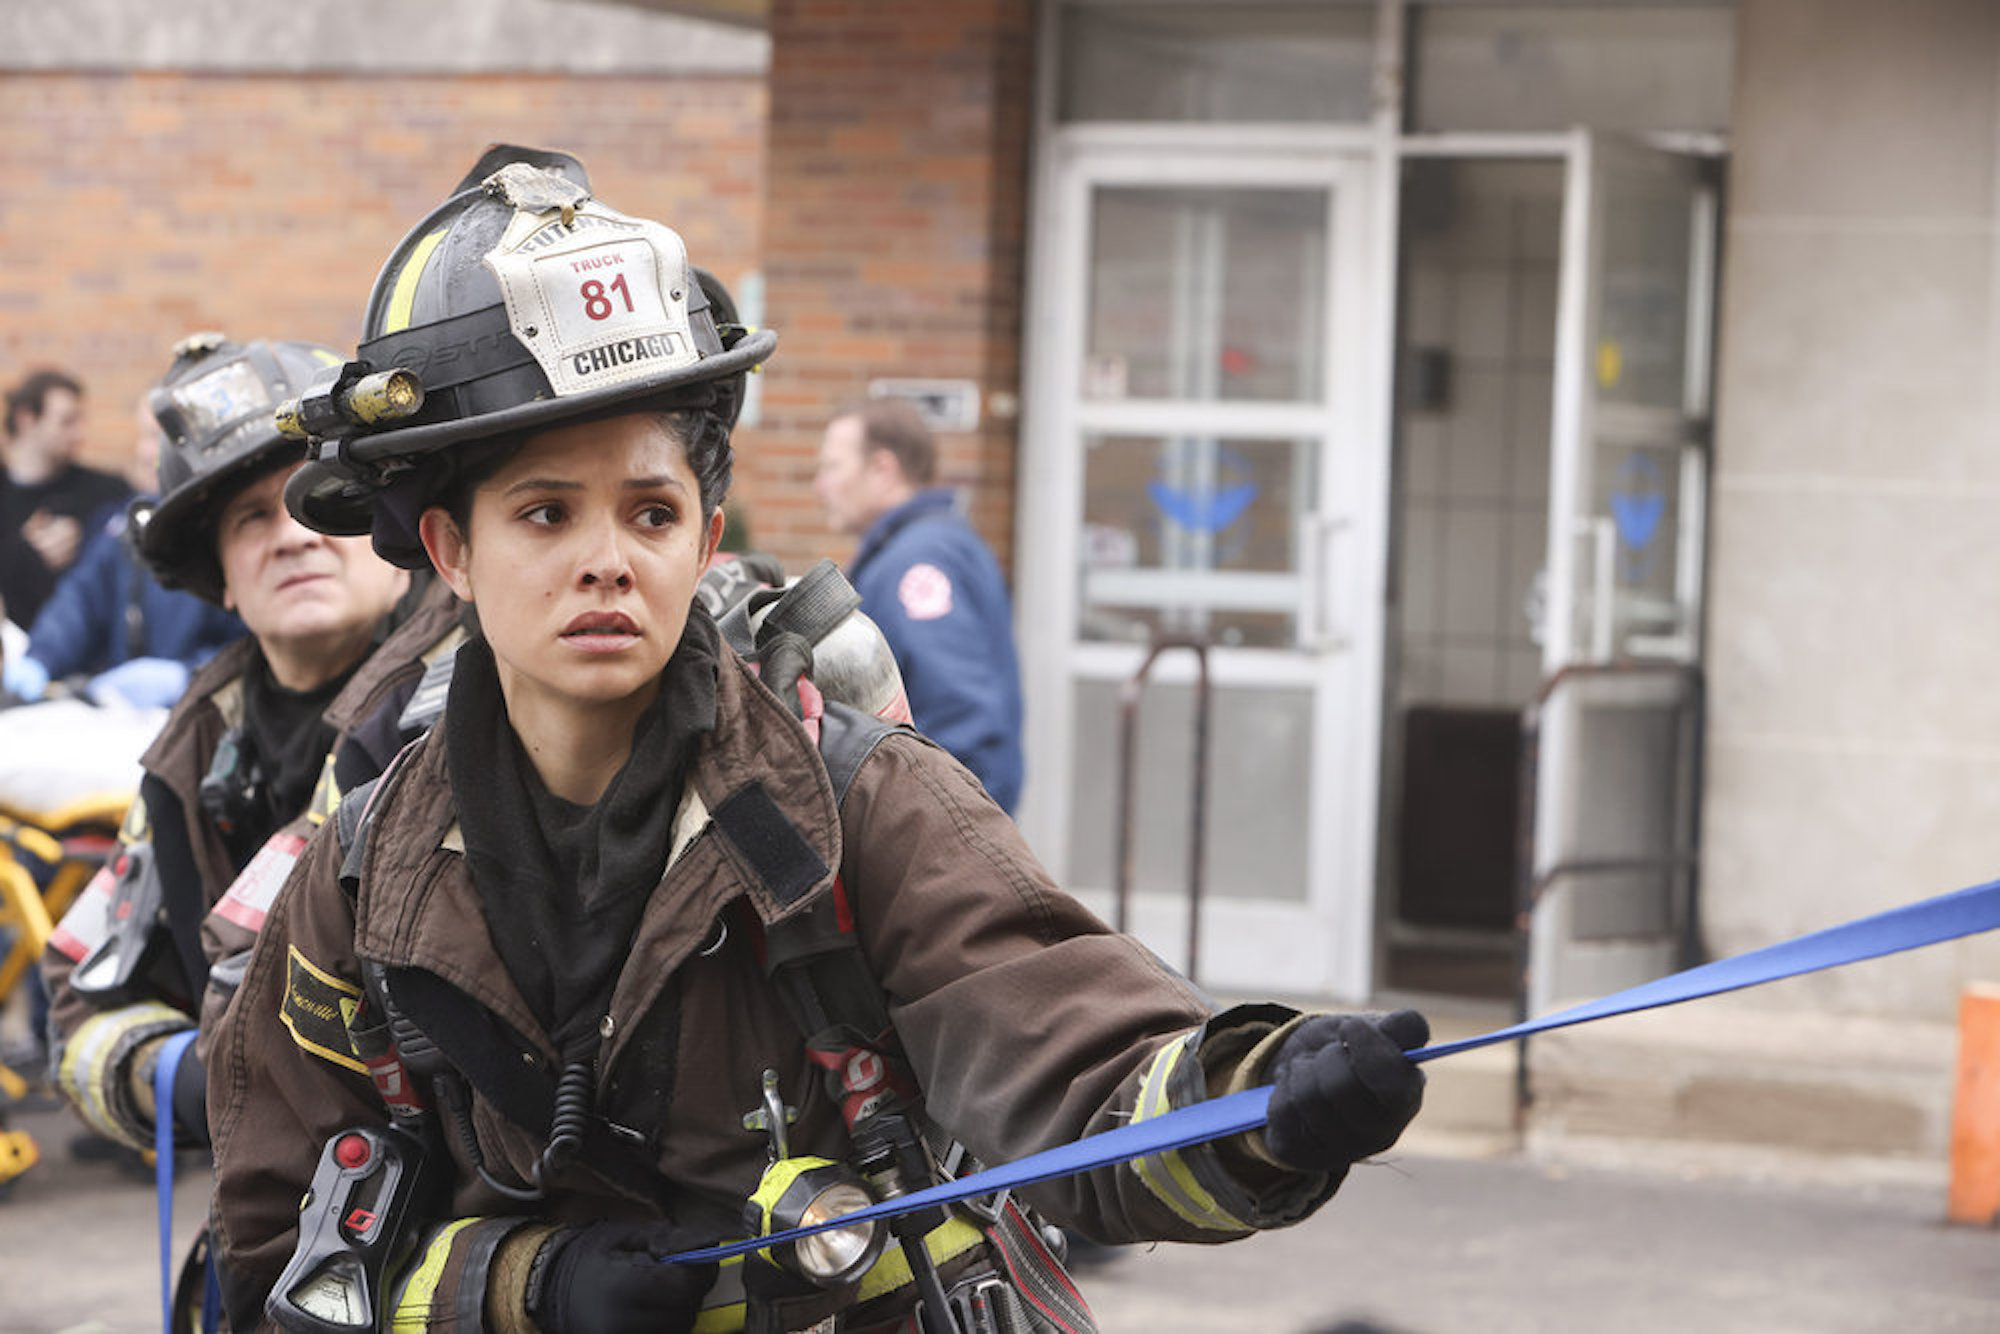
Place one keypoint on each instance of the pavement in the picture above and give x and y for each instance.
(1454, 1231)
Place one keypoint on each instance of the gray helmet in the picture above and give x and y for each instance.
(519, 303)
(214, 409)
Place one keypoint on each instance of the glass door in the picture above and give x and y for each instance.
(1628, 474)
(1617, 788)
(1194, 472)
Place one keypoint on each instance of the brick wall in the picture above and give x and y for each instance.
(893, 239)
(137, 207)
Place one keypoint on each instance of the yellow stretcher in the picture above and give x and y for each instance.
(46, 859)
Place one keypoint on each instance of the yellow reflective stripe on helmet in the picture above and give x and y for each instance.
(1167, 1174)
(951, 1238)
(403, 296)
(412, 1310)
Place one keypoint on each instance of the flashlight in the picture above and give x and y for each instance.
(355, 395)
(805, 1192)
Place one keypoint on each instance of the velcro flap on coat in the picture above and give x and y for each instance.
(772, 847)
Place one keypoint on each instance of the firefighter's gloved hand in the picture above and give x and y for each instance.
(1344, 1090)
(606, 1278)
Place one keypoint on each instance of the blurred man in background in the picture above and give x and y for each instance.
(109, 622)
(47, 498)
(931, 584)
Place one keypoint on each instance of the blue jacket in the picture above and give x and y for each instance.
(926, 578)
(89, 622)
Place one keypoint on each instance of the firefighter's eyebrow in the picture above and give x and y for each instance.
(542, 484)
(664, 480)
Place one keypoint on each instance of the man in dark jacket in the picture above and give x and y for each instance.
(109, 619)
(46, 496)
(931, 584)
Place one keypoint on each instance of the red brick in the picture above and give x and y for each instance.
(141, 206)
(896, 206)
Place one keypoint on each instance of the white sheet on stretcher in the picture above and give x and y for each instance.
(66, 750)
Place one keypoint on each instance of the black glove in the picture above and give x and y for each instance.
(606, 1278)
(1343, 1088)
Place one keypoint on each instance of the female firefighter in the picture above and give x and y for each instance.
(630, 937)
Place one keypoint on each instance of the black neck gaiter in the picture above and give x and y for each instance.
(283, 745)
(563, 886)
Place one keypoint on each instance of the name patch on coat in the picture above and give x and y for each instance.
(316, 1009)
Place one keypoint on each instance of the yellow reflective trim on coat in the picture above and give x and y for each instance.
(1167, 1174)
(412, 1313)
(721, 1319)
(137, 826)
(326, 795)
(403, 296)
(953, 1237)
(85, 1074)
(725, 1308)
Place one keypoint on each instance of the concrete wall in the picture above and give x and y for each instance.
(1854, 614)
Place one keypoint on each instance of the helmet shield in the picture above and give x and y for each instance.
(214, 409)
(519, 304)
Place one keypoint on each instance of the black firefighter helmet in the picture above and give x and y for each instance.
(519, 303)
(214, 409)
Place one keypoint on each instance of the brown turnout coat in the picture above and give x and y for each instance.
(180, 756)
(1027, 1021)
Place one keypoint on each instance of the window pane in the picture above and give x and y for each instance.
(1207, 294)
(1188, 535)
(1641, 355)
(1259, 790)
(1639, 487)
(1296, 63)
(1549, 67)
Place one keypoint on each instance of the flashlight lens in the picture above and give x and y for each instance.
(836, 1255)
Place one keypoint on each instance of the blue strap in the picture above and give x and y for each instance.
(163, 1163)
(211, 1293)
(1947, 917)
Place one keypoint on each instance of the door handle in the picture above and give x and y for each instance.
(1319, 632)
(1601, 534)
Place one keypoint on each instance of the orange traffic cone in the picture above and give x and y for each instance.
(1975, 1114)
